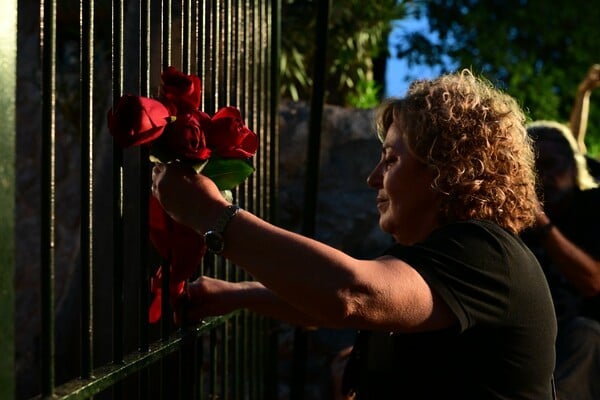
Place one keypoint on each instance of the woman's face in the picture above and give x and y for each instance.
(556, 169)
(408, 207)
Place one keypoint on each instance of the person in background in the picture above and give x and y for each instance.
(566, 241)
(458, 307)
(580, 112)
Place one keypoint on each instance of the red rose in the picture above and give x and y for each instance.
(185, 136)
(229, 137)
(180, 92)
(176, 296)
(137, 120)
(180, 245)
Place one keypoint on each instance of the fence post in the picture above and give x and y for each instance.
(8, 79)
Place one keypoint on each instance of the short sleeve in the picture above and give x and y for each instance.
(467, 265)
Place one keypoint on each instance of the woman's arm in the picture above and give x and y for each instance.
(315, 279)
(581, 107)
(580, 268)
(211, 297)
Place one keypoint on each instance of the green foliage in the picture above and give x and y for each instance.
(368, 95)
(357, 37)
(537, 51)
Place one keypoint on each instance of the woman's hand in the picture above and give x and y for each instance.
(592, 79)
(208, 297)
(189, 198)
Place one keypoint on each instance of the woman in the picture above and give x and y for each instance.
(566, 243)
(458, 307)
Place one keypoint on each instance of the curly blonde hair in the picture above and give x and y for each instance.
(473, 137)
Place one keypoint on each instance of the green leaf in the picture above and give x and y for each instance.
(227, 173)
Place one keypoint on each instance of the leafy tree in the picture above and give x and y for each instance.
(356, 49)
(536, 50)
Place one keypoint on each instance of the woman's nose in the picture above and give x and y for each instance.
(374, 179)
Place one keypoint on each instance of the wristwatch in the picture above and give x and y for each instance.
(214, 237)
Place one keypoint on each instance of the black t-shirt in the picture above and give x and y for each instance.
(503, 347)
(580, 223)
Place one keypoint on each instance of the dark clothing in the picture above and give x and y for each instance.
(577, 372)
(503, 346)
(580, 223)
(593, 166)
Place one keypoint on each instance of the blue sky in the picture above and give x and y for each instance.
(398, 75)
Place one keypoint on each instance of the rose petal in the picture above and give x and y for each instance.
(137, 120)
(180, 92)
(228, 137)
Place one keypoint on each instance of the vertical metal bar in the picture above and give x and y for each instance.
(8, 76)
(117, 201)
(166, 40)
(264, 390)
(144, 56)
(212, 351)
(247, 107)
(204, 28)
(187, 349)
(224, 81)
(204, 54)
(228, 55)
(166, 61)
(216, 62)
(275, 17)
(259, 187)
(186, 36)
(274, 107)
(237, 62)
(87, 185)
(195, 56)
(166, 21)
(48, 43)
(235, 91)
(312, 177)
(254, 183)
(243, 90)
(144, 261)
(264, 107)
(228, 60)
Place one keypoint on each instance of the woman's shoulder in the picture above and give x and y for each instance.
(466, 239)
(473, 229)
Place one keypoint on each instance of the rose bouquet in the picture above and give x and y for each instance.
(175, 130)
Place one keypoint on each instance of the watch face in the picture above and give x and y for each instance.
(214, 242)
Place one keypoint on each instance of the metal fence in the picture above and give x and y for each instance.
(87, 334)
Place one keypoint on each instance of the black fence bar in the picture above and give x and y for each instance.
(274, 38)
(117, 190)
(229, 44)
(301, 335)
(87, 184)
(144, 176)
(8, 71)
(48, 43)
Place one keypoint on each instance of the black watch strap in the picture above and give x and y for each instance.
(214, 237)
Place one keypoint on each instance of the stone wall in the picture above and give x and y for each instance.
(346, 218)
(346, 213)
